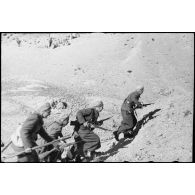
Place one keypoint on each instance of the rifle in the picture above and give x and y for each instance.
(101, 121)
(37, 147)
(76, 123)
(47, 153)
(144, 105)
(96, 126)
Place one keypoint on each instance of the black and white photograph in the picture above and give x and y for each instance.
(97, 97)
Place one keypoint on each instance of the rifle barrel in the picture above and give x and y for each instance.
(105, 119)
(37, 147)
(147, 104)
(52, 142)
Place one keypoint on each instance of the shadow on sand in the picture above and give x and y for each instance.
(122, 142)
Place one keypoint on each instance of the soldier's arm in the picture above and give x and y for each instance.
(81, 113)
(27, 131)
(45, 135)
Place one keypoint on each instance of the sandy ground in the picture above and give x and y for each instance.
(108, 67)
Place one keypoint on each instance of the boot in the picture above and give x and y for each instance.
(89, 155)
(66, 160)
(115, 133)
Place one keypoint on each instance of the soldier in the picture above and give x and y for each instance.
(88, 140)
(32, 126)
(127, 110)
(54, 130)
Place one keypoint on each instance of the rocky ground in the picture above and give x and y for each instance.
(84, 67)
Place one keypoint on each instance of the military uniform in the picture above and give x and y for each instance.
(91, 140)
(127, 110)
(32, 126)
(88, 140)
(54, 130)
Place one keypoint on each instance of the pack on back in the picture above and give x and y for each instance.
(16, 137)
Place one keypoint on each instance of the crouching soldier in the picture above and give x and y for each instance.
(86, 140)
(54, 130)
(25, 136)
(129, 120)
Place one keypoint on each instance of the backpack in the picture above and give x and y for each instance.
(16, 137)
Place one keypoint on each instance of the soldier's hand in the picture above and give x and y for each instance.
(86, 124)
(28, 150)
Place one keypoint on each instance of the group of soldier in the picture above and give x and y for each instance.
(86, 142)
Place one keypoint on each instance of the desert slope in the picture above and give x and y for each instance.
(107, 66)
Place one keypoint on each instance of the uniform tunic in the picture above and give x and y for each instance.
(127, 110)
(90, 139)
(86, 138)
(54, 130)
(30, 128)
